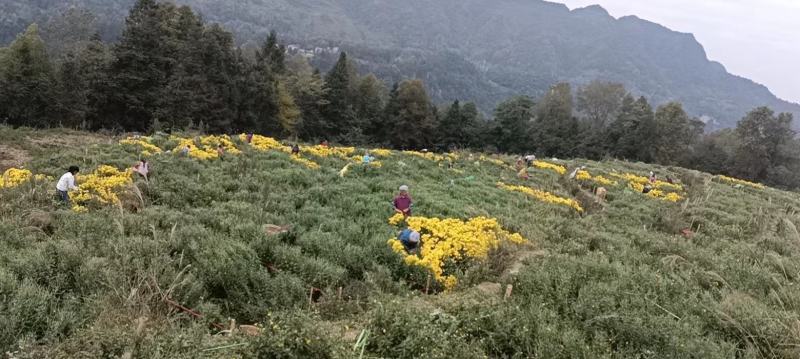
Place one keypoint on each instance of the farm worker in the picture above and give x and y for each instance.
(653, 177)
(249, 138)
(142, 168)
(670, 180)
(410, 240)
(523, 174)
(220, 151)
(324, 143)
(402, 203)
(529, 160)
(647, 188)
(520, 163)
(601, 193)
(67, 183)
(185, 150)
(295, 149)
(366, 159)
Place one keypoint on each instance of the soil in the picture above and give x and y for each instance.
(12, 157)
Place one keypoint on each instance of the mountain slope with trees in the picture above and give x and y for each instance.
(477, 50)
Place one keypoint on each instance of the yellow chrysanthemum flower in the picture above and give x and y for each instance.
(452, 241)
(13, 177)
(543, 196)
(732, 180)
(550, 166)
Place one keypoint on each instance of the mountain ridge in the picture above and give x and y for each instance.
(510, 47)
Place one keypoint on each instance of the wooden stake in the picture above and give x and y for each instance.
(340, 294)
(509, 288)
(311, 296)
(427, 284)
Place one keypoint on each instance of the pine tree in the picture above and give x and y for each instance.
(555, 129)
(141, 68)
(26, 82)
(339, 82)
(631, 134)
(411, 116)
(512, 125)
(308, 89)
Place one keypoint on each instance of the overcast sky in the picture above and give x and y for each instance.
(757, 39)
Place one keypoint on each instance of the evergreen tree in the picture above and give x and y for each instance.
(369, 103)
(308, 89)
(555, 129)
(411, 116)
(141, 68)
(288, 112)
(339, 83)
(513, 120)
(630, 136)
(273, 54)
(26, 82)
(450, 131)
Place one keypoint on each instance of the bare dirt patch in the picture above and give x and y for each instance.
(12, 157)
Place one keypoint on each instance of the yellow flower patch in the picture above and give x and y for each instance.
(308, 163)
(101, 186)
(324, 152)
(426, 155)
(656, 193)
(604, 181)
(735, 181)
(586, 176)
(543, 196)
(213, 142)
(550, 166)
(200, 153)
(147, 147)
(643, 180)
(13, 177)
(396, 219)
(448, 241)
(264, 143)
(380, 152)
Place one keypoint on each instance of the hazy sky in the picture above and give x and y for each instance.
(757, 39)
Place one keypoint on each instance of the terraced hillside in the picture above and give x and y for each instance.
(300, 247)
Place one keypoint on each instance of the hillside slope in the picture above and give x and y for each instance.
(475, 50)
(711, 276)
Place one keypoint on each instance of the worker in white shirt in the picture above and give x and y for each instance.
(67, 183)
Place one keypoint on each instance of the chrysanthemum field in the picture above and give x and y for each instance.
(179, 265)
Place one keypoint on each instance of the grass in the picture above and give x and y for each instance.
(618, 281)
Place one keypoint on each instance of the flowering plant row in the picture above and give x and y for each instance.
(101, 186)
(737, 181)
(543, 196)
(550, 166)
(599, 179)
(14, 177)
(452, 241)
(148, 148)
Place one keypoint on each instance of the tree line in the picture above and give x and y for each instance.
(170, 70)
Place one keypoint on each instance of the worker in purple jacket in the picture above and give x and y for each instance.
(402, 203)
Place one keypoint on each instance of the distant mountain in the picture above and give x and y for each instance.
(480, 50)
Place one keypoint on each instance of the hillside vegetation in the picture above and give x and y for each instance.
(479, 50)
(159, 268)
